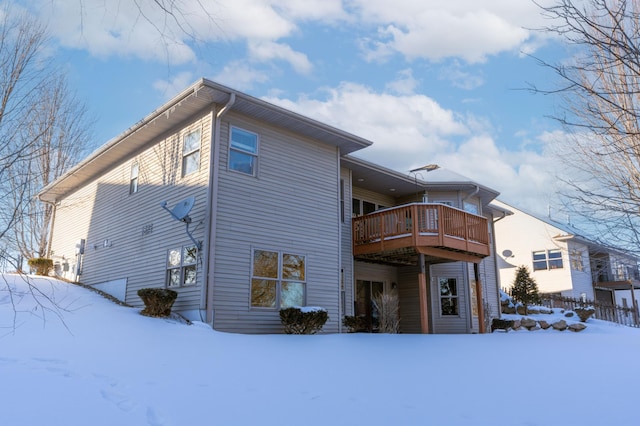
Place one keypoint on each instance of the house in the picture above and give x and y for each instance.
(562, 261)
(244, 207)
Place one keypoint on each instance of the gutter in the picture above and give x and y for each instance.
(206, 297)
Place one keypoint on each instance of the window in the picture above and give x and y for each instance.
(470, 207)
(448, 296)
(575, 257)
(360, 207)
(277, 279)
(191, 153)
(555, 259)
(133, 180)
(547, 259)
(181, 266)
(243, 151)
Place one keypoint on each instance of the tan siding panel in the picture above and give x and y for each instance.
(290, 206)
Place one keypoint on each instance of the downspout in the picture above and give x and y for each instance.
(475, 192)
(206, 298)
(341, 208)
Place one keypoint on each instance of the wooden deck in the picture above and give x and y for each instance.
(397, 235)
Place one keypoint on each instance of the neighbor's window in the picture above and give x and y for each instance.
(547, 259)
(278, 279)
(448, 296)
(133, 181)
(577, 263)
(243, 151)
(191, 152)
(182, 266)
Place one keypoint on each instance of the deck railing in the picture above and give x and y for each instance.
(421, 224)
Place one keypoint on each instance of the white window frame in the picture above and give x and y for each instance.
(190, 152)
(279, 279)
(181, 266)
(134, 178)
(253, 156)
(453, 297)
(550, 263)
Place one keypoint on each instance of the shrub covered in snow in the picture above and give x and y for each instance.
(354, 324)
(303, 320)
(585, 312)
(41, 265)
(157, 301)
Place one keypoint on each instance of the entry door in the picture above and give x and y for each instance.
(365, 292)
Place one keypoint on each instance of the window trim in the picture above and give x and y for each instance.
(550, 263)
(279, 279)
(182, 266)
(134, 178)
(255, 155)
(195, 152)
(455, 297)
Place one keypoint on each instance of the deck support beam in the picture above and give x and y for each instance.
(422, 291)
(479, 299)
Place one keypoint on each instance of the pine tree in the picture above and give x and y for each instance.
(525, 288)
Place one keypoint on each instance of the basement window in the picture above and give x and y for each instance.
(448, 296)
(182, 266)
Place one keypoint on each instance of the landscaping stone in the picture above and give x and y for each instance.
(577, 327)
(559, 325)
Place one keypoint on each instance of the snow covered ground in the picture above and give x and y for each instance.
(91, 362)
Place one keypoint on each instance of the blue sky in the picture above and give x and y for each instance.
(428, 81)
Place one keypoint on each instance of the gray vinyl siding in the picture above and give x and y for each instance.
(290, 206)
(409, 296)
(347, 246)
(489, 277)
(373, 197)
(450, 324)
(104, 210)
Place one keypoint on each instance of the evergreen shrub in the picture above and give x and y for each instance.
(525, 288)
(354, 324)
(307, 320)
(157, 301)
(41, 265)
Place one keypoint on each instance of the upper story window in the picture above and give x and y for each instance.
(470, 207)
(191, 152)
(243, 151)
(547, 259)
(278, 279)
(361, 207)
(133, 180)
(575, 257)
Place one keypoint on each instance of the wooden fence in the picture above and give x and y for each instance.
(604, 311)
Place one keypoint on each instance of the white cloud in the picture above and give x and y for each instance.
(468, 29)
(266, 51)
(412, 130)
(170, 88)
(404, 84)
(240, 75)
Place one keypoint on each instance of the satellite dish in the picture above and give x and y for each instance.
(507, 253)
(181, 210)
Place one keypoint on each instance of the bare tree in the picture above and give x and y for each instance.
(600, 98)
(42, 132)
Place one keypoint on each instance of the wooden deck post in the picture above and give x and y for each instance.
(635, 304)
(422, 291)
(479, 298)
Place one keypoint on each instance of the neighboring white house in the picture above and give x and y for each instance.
(244, 208)
(562, 261)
